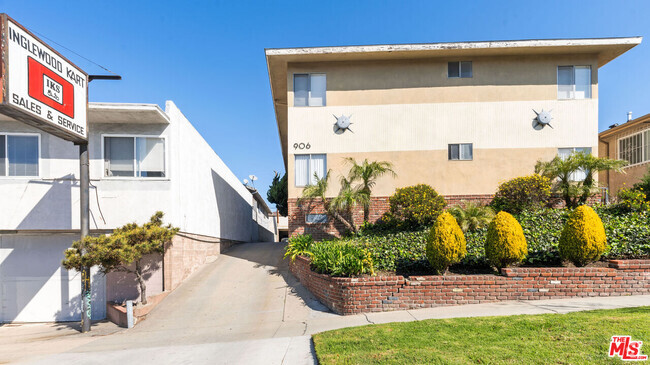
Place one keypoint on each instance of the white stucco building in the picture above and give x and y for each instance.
(142, 159)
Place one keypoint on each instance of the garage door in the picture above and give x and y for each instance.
(34, 286)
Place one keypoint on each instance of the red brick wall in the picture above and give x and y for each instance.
(385, 293)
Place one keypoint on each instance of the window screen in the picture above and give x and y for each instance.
(459, 69)
(134, 156)
(300, 89)
(453, 69)
(150, 157)
(317, 89)
(466, 69)
(460, 151)
(22, 155)
(583, 82)
(565, 82)
(574, 82)
(119, 156)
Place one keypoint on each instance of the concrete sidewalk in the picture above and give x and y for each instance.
(245, 308)
(291, 343)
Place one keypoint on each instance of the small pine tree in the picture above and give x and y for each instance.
(278, 194)
(126, 245)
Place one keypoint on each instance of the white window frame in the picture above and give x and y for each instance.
(135, 170)
(573, 83)
(311, 173)
(460, 70)
(460, 159)
(643, 146)
(309, 74)
(40, 160)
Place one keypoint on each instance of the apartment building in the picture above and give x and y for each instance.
(629, 141)
(142, 159)
(461, 117)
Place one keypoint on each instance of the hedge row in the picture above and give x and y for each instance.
(628, 236)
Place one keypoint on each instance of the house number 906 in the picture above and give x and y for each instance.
(301, 146)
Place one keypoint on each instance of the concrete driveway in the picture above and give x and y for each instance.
(244, 308)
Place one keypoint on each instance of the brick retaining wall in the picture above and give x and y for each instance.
(386, 293)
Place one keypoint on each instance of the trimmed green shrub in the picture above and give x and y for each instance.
(522, 193)
(505, 242)
(583, 238)
(340, 258)
(299, 245)
(446, 243)
(416, 206)
(628, 235)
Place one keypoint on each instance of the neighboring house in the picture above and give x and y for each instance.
(267, 226)
(458, 116)
(629, 141)
(142, 159)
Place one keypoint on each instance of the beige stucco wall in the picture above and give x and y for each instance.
(408, 112)
(426, 81)
(482, 175)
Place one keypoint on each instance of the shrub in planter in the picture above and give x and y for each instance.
(299, 245)
(340, 258)
(522, 193)
(583, 238)
(446, 243)
(417, 205)
(505, 243)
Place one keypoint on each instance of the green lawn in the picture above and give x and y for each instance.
(575, 338)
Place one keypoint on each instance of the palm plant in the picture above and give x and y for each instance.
(563, 170)
(367, 173)
(471, 216)
(338, 207)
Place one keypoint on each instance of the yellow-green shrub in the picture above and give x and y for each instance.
(445, 243)
(583, 238)
(505, 243)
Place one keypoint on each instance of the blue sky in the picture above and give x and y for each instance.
(208, 56)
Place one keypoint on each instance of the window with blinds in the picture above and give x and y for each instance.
(19, 155)
(309, 168)
(134, 156)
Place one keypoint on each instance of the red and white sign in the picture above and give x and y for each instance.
(42, 87)
(626, 349)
